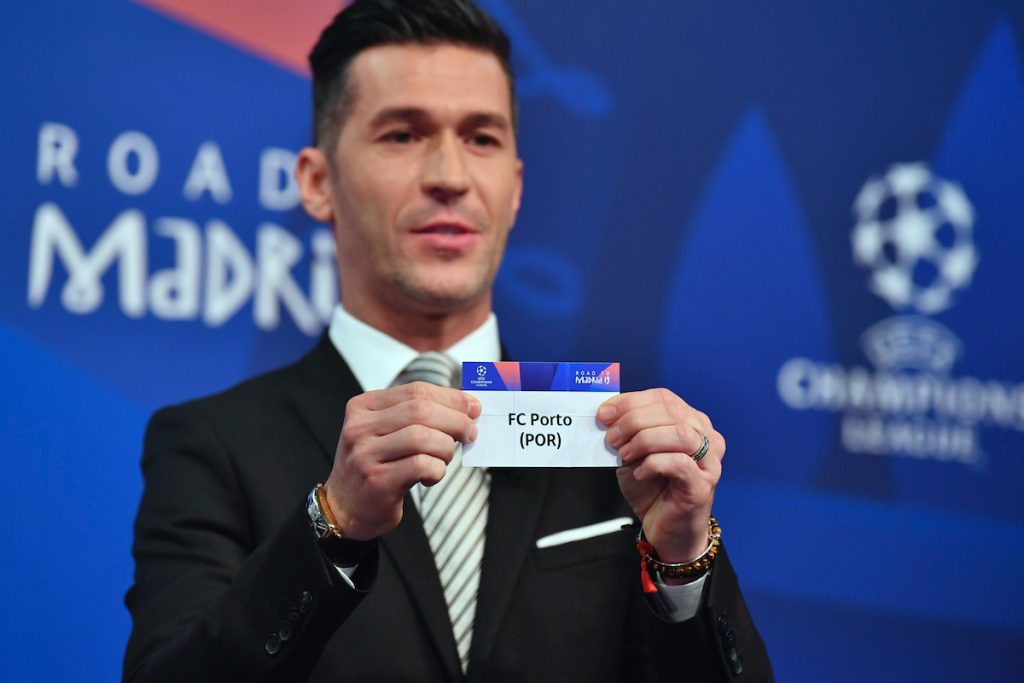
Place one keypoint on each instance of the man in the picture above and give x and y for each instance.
(245, 573)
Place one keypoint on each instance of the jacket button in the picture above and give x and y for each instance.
(735, 661)
(730, 637)
(293, 616)
(285, 632)
(305, 602)
(273, 645)
(723, 623)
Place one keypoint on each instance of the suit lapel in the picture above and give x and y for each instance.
(515, 504)
(323, 386)
(410, 553)
(326, 384)
(517, 498)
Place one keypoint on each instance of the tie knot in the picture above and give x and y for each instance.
(434, 367)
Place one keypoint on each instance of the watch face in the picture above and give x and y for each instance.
(316, 516)
(321, 528)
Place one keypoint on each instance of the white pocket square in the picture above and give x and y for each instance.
(582, 532)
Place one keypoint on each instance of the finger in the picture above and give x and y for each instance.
(419, 411)
(414, 440)
(402, 474)
(697, 479)
(676, 466)
(621, 404)
(651, 415)
(678, 438)
(712, 459)
(446, 396)
(711, 465)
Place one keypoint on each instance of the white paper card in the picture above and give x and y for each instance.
(555, 426)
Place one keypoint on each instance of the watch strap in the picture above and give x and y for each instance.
(341, 551)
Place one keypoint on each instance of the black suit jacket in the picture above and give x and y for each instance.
(231, 585)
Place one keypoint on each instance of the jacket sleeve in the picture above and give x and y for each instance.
(719, 644)
(209, 602)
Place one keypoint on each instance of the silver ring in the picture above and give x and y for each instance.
(702, 451)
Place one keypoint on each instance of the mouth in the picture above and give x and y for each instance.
(447, 237)
(444, 228)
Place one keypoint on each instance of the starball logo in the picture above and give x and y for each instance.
(914, 235)
(481, 380)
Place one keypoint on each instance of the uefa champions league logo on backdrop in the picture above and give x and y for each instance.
(914, 233)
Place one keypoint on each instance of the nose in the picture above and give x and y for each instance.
(445, 175)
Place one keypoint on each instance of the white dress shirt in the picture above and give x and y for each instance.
(376, 359)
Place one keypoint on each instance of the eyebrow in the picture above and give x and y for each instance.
(486, 120)
(416, 115)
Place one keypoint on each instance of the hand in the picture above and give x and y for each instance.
(656, 434)
(390, 440)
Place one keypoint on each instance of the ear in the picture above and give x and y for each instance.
(313, 176)
(517, 198)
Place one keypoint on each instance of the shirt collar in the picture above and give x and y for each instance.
(376, 358)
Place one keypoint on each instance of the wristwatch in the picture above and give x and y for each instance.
(341, 551)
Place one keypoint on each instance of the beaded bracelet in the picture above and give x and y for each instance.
(681, 570)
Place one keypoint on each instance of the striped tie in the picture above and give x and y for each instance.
(454, 514)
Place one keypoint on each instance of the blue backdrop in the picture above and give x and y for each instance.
(806, 218)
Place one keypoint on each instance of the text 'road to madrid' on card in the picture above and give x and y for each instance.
(540, 414)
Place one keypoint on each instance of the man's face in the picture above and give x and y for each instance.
(424, 182)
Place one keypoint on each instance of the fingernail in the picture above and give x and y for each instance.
(606, 413)
(613, 436)
(473, 431)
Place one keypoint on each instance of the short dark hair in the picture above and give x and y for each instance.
(369, 23)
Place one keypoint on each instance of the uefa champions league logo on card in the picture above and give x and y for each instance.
(913, 233)
(481, 380)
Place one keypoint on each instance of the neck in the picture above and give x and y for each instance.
(421, 330)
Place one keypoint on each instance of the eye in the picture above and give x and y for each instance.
(399, 137)
(484, 140)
